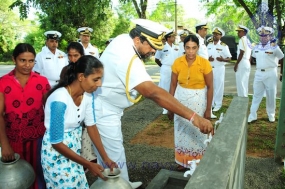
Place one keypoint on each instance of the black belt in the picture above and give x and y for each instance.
(213, 66)
(263, 70)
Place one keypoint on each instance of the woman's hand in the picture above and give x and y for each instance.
(110, 163)
(96, 170)
(170, 115)
(207, 114)
(7, 153)
(236, 67)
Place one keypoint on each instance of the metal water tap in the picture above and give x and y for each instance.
(193, 166)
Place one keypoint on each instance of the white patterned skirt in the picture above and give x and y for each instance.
(59, 171)
(189, 141)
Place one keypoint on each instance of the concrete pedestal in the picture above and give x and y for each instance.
(166, 179)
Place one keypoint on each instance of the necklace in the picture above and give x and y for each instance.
(69, 91)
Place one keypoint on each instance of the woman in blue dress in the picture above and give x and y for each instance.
(68, 104)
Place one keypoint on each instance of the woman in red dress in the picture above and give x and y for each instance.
(21, 111)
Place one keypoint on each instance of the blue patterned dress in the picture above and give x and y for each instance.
(62, 122)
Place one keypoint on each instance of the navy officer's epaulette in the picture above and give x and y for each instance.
(273, 42)
(222, 43)
(210, 40)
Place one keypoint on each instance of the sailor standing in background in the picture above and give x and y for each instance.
(182, 34)
(165, 58)
(219, 54)
(84, 35)
(50, 61)
(242, 66)
(265, 79)
(201, 32)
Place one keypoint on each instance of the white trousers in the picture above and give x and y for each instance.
(219, 84)
(165, 78)
(242, 77)
(108, 122)
(264, 81)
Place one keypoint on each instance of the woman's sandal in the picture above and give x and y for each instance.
(181, 168)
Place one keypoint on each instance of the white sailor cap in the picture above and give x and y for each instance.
(202, 25)
(265, 30)
(52, 35)
(183, 33)
(85, 31)
(170, 33)
(153, 31)
(218, 31)
(242, 28)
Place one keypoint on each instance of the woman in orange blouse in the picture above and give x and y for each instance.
(192, 85)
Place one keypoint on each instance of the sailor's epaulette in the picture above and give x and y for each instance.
(273, 43)
(222, 43)
(210, 40)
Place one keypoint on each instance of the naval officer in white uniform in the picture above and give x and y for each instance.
(84, 36)
(242, 66)
(265, 79)
(219, 54)
(50, 61)
(125, 76)
(182, 34)
(201, 32)
(165, 58)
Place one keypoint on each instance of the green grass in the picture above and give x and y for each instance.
(261, 133)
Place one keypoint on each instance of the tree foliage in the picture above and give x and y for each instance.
(251, 8)
(140, 7)
(125, 13)
(66, 16)
(165, 12)
(12, 30)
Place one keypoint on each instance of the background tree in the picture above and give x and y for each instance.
(66, 16)
(125, 12)
(276, 8)
(140, 7)
(165, 11)
(12, 30)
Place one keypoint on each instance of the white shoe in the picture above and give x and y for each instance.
(213, 116)
(164, 111)
(249, 120)
(272, 119)
(135, 184)
(216, 109)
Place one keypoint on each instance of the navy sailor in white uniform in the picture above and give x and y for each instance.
(84, 36)
(50, 61)
(219, 54)
(268, 55)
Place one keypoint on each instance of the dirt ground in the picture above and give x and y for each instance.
(260, 139)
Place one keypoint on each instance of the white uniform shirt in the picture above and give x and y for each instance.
(181, 50)
(202, 48)
(218, 50)
(266, 56)
(245, 45)
(168, 54)
(91, 50)
(50, 65)
(116, 59)
(73, 114)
